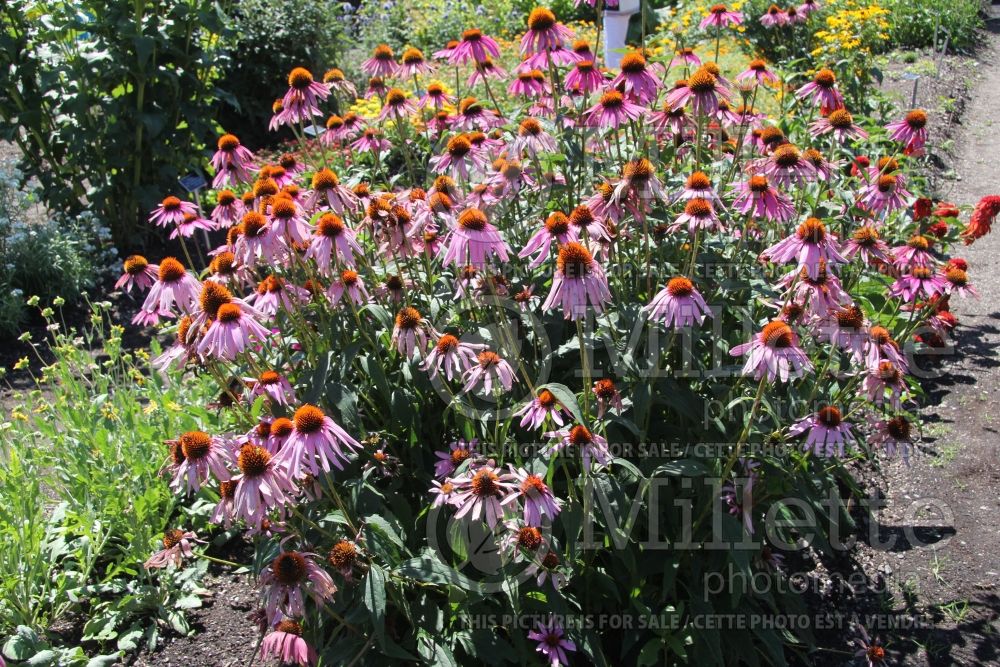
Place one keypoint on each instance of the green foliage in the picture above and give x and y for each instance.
(265, 41)
(107, 100)
(49, 257)
(932, 23)
(82, 503)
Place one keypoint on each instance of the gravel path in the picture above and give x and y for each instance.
(951, 582)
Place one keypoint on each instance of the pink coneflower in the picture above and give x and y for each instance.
(529, 83)
(539, 503)
(301, 102)
(435, 96)
(257, 241)
(472, 115)
(273, 385)
(865, 241)
(841, 123)
(773, 17)
(335, 78)
(638, 185)
(698, 214)
(703, 89)
(287, 222)
(822, 91)
(556, 228)
(274, 294)
(916, 252)
(485, 70)
(685, 58)
(473, 241)
(396, 106)
(231, 333)
(278, 433)
(203, 455)
(886, 376)
(350, 283)
(552, 642)
(759, 198)
(452, 355)
(458, 453)
(316, 436)
(459, 159)
(413, 64)
(958, 282)
(288, 579)
(532, 139)
(827, 432)
(489, 369)
(473, 46)
(174, 286)
(578, 280)
(911, 130)
(635, 79)
(410, 333)
(445, 492)
(607, 396)
(261, 485)
(176, 547)
(698, 186)
(382, 62)
(881, 346)
(786, 166)
(544, 32)
(895, 435)
(228, 209)
(808, 7)
(823, 168)
(820, 294)
(190, 224)
(774, 354)
(224, 511)
(479, 495)
(332, 239)
(585, 222)
(678, 304)
(544, 405)
(326, 188)
(845, 328)
(371, 140)
(670, 122)
(511, 178)
(920, 281)
(810, 245)
(585, 77)
(171, 212)
(232, 162)
(579, 440)
(287, 646)
(138, 272)
(612, 111)
(719, 16)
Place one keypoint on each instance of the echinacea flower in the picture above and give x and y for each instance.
(612, 111)
(578, 280)
(332, 242)
(638, 186)
(410, 333)
(479, 494)
(757, 197)
(607, 396)
(555, 229)
(473, 241)
(474, 46)
(685, 57)
(261, 485)
(203, 455)
(382, 62)
(273, 385)
(841, 123)
(720, 16)
(459, 159)
(458, 452)
(228, 209)
(232, 331)
(579, 440)
(786, 166)
(539, 502)
(911, 131)
(585, 77)
(865, 241)
(286, 645)
(301, 102)
(774, 353)
(529, 83)
(544, 33)
(138, 273)
(224, 511)
(845, 328)
(452, 355)
(895, 436)
(678, 304)
(396, 106)
(232, 162)
(699, 186)
(703, 89)
(171, 212)
(174, 287)
(532, 139)
(809, 246)
(413, 64)
(490, 371)
(635, 79)
(958, 282)
(176, 547)
(316, 443)
(758, 71)
(871, 650)
(921, 281)
(543, 406)
(290, 577)
(335, 78)
(886, 376)
(552, 642)
(916, 252)
(698, 214)
(827, 432)
(435, 97)
(371, 141)
(822, 90)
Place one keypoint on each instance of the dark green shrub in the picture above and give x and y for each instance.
(931, 23)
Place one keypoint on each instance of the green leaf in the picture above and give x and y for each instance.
(566, 398)
(375, 599)
(428, 568)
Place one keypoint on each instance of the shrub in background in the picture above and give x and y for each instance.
(931, 23)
